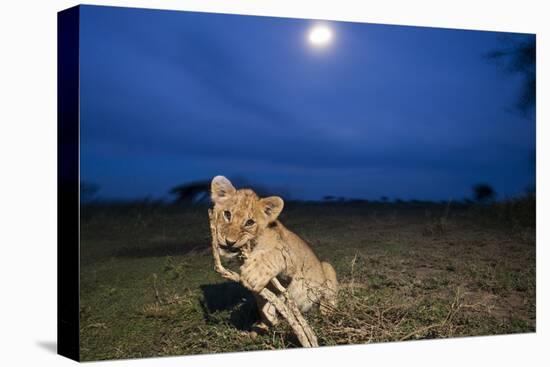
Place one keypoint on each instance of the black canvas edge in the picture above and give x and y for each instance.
(68, 201)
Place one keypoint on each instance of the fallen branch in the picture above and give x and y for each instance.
(286, 308)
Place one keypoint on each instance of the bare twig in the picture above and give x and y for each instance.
(157, 296)
(352, 273)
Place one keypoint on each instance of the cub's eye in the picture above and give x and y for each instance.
(227, 214)
(249, 223)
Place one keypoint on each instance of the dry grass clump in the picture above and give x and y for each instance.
(361, 319)
(437, 225)
(516, 214)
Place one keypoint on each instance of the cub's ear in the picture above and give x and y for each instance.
(221, 189)
(272, 207)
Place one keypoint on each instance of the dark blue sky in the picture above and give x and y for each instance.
(406, 112)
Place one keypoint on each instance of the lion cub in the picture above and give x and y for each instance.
(242, 218)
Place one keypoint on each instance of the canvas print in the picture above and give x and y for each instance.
(259, 183)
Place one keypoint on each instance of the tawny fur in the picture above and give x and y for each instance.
(246, 222)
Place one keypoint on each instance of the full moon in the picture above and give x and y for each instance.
(320, 35)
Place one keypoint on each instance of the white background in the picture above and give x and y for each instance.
(28, 181)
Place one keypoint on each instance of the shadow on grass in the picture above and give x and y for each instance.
(232, 298)
(164, 249)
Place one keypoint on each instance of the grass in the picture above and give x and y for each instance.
(407, 271)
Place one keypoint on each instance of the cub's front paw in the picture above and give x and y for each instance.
(256, 273)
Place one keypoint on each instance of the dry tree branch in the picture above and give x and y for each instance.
(286, 308)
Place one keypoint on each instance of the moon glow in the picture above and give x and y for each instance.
(320, 36)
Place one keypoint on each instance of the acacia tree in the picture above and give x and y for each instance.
(483, 193)
(192, 192)
(519, 58)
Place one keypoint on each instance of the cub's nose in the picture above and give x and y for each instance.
(229, 243)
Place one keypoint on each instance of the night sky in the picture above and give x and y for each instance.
(403, 112)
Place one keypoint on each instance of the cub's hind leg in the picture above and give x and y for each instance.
(329, 295)
(268, 313)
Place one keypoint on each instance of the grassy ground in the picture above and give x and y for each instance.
(407, 271)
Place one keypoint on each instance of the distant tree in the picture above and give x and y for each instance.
(192, 192)
(530, 190)
(328, 197)
(88, 190)
(483, 193)
(519, 57)
(384, 199)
